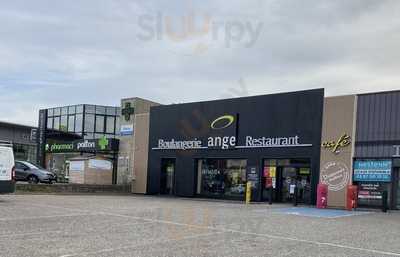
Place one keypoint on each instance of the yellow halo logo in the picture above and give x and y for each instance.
(223, 122)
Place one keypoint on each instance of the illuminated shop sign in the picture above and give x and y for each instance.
(230, 142)
(91, 145)
(225, 127)
(336, 145)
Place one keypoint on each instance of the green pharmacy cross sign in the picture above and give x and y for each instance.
(103, 143)
(128, 111)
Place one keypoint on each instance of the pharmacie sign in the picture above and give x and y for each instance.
(89, 145)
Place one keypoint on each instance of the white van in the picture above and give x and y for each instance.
(7, 168)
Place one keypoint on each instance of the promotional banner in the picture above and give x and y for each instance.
(373, 170)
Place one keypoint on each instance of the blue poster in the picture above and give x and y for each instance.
(373, 170)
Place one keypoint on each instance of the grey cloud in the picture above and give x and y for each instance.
(58, 52)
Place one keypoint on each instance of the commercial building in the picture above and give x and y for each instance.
(92, 144)
(298, 139)
(23, 138)
(73, 140)
(377, 148)
(211, 149)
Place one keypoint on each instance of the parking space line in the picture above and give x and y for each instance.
(140, 245)
(222, 230)
(49, 216)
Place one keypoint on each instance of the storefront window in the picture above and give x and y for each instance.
(222, 178)
(110, 124)
(71, 123)
(56, 123)
(24, 152)
(49, 123)
(71, 109)
(78, 123)
(100, 110)
(79, 109)
(64, 110)
(64, 123)
(99, 123)
(117, 126)
(111, 111)
(89, 123)
(90, 109)
(57, 111)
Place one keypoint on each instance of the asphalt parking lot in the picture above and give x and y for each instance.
(128, 225)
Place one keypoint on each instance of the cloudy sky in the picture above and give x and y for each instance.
(55, 53)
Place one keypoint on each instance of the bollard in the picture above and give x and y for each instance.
(248, 192)
(384, 201)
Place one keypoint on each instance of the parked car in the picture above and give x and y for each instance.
(7, 169)
(26, 171)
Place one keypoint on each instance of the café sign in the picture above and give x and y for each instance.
(336, 145)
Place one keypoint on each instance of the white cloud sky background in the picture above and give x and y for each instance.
(55, 53)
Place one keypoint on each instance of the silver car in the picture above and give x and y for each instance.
(26, 171)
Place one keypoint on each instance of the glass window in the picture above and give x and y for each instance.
(110, 110)
(89, 123)
(118, 111)
(64, 123)
(99, 123)
(71, 123)
(56, 123)
(110, 124)
(78, 123)
(89, 136)
(100, 110)
(79, 109)
(90, 108)
(24, 152)
(72, 109)
(117, 126)
(222, 178)
(57, 111)
(97, 135)
(50, 112)
(64, 110)
(49, 123)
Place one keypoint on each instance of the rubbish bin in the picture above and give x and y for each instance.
(322, 196)
(351, 198)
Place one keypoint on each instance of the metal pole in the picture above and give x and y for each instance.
(384, 201)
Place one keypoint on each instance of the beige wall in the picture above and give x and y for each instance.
(336, 167)
(141, 142)
(133, 150)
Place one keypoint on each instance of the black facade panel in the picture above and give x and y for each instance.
(278, 115)
(378, 125)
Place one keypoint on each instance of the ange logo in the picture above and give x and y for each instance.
(223, 122)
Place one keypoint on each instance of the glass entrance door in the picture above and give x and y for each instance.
(167, 178)
(284, 175)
